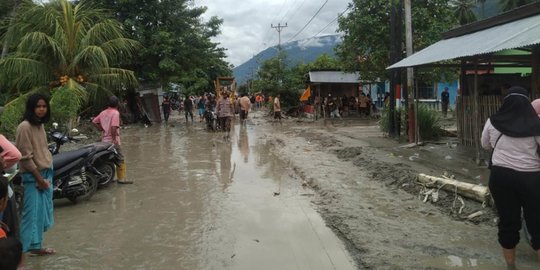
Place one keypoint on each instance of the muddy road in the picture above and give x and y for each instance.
(198, 202)
(302, 195)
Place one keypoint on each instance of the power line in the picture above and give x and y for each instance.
(310, 20)
(291, 8)
(334, 20)
(265, 36)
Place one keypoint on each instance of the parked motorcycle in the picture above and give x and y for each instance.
(71, 179)
(104, 158)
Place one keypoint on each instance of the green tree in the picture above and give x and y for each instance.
(506, 5)
(463, 10)
(366, 40)
(67, 49)
(177, 42)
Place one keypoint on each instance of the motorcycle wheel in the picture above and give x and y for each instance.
(90, 185)
(108, 169)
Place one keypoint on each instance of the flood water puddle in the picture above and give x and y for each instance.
(198, 202)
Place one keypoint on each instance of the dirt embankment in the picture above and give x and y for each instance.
(370, 197)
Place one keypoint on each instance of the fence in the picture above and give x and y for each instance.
(468, 129)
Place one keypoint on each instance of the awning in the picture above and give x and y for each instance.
(521, 33)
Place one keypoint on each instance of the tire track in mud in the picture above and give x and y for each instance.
(361, 198)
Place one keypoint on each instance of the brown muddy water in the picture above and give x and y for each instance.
(198, 202)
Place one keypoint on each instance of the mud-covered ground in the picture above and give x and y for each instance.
(368, 194)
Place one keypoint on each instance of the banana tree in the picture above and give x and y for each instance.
(73, 51)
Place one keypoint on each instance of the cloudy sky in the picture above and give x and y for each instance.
(246, 28)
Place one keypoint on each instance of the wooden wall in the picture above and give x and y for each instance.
(487, 105)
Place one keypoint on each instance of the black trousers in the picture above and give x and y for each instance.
(513, 191)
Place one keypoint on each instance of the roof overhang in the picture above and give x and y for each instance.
(333, 77)
(516, 34)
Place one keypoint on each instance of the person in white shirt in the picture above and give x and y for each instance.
(513, 133)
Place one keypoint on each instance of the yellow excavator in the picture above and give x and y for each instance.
(225, 84)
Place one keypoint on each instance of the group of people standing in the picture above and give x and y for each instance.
(336, 107)
(225, 107)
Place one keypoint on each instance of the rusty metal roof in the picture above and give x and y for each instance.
(517, 34)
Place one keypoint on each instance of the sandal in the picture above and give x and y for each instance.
(42, 252)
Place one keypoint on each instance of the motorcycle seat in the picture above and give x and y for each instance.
(64, 158)
(101, 146)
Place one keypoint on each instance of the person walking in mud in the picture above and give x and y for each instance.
(166, 106)
(201, 106)
(108, 122)
(513, 133)
(225, 113)
(245, 106)
(277, 108)
(188, 108)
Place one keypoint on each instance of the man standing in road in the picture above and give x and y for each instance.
(277, 108)
(225, 112)
(188, 108)
(245, 106)
(445, 100)
(166, 106)
(108, 122)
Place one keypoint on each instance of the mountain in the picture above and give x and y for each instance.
(300, 51)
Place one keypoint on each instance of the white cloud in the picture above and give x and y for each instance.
(246, 27)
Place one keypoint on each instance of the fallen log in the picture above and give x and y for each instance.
(476, 192)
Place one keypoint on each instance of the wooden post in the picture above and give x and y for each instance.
(476, 121)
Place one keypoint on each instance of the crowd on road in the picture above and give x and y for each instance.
(220, 109)
(515, 162)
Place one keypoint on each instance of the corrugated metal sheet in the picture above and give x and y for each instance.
(516, 34)
(333, 77)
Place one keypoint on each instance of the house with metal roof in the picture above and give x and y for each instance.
(334, 83)
(500, 50)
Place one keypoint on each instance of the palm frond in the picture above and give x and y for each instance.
(41, 42)
(90, 57)
(24, 71)
(114, 78)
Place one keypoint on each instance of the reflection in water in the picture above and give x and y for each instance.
(226, 171)
(184, 210)
(243, 143)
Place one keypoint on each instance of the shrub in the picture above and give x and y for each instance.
(428, 122)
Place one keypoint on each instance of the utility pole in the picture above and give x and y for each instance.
(411, 112)
(395, 77)
(279, 28)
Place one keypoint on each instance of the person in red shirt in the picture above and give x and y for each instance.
(108, 122)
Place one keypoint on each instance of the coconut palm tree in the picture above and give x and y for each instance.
(463, 10)
(67, 49)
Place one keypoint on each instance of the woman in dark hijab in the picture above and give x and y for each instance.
(514, 135)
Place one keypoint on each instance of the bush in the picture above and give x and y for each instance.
(428, 122)
(12, 116)
(385, 119)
